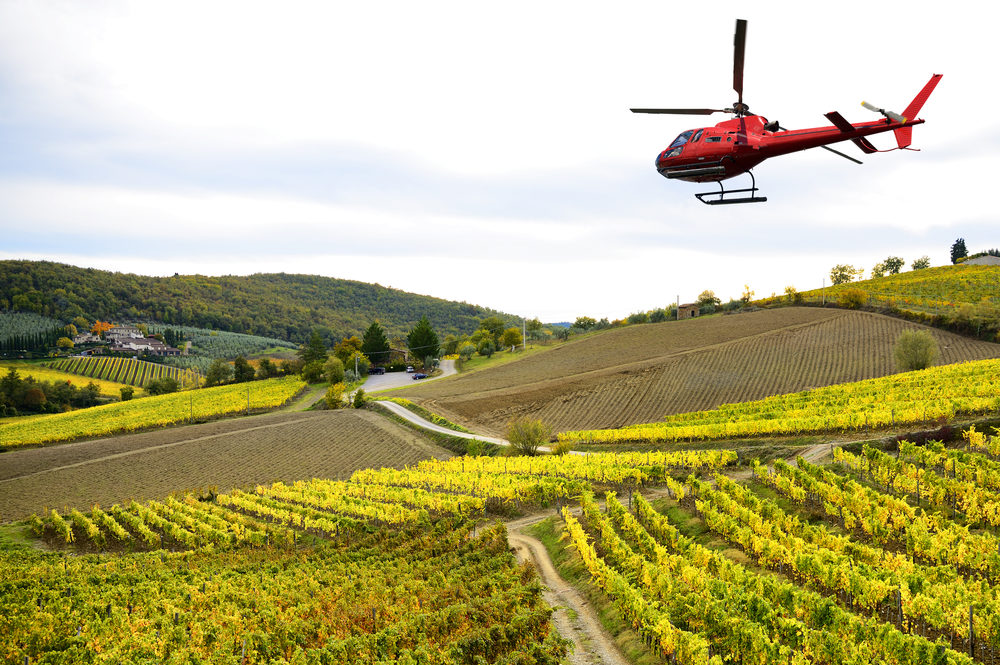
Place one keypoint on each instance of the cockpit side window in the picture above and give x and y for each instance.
(681, 140)
(697, 136)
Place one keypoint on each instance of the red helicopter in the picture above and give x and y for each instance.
(733, 147)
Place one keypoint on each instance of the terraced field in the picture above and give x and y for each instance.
(645, 372)
(219, 455)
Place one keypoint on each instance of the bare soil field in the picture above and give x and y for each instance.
(219, 455)
(644, 372)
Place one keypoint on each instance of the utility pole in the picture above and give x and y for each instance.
(678, 311)
(524, 334)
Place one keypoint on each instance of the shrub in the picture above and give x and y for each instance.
(852, 298)
(466, 351)
(162, 386)
(915, 349)
(527, 434)
(359, 399)
(486, 348)
(561, 447)
(335, 396)
(312, 371)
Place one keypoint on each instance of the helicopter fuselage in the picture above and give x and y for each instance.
(733, 147)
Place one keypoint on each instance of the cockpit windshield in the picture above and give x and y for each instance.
(682, 139)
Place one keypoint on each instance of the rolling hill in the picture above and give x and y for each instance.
(280, 305)
(642, 373)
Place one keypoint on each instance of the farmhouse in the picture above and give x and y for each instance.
(150, 345)
(688, 311)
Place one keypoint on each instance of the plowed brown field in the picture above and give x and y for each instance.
(644, 372)
(220, 455)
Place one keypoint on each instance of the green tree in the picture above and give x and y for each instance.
(346, 347)
(486, 348)
(64, 343)
(333, 370)
(707, 298)
(266, 369)
(533, 325)
(359, 399)
(893, 265)
(242, 370)
(915, 349)
(584, 323)
(314, 350)
(219, 372)
(511, 337)
(467, 351)
(312, 372)
(921, 263)
(843, 273)
(527, 434)
(958, 250)
(495, 326)
(422, 340)
(162, 386)
(375, 344)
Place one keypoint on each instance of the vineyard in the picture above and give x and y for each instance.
(128, 371)
(941, 291)
(207, 345)
(910, 398)
(381, 568)
(888, 578)
(149, 412)
(641, 373)
(42, 372)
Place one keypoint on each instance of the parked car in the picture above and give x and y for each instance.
(419, 375)
(409, 369)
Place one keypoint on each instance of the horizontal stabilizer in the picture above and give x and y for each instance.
(839, 121)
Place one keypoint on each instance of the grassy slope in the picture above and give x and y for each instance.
(642, 373)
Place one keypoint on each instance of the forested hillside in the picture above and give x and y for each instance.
(273, 305)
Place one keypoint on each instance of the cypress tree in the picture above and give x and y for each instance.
(375, 344)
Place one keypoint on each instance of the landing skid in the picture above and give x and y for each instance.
(722, 200)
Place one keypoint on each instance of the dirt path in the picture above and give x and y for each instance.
(574, 617)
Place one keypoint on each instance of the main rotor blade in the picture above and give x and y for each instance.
(680, 111)
(739, 46)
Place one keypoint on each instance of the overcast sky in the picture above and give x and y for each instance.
(481, 151)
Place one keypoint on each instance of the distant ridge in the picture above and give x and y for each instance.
(273, 305)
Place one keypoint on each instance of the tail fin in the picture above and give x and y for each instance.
(904, 134)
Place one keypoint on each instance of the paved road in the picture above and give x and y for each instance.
(405, 413)
(377, 382)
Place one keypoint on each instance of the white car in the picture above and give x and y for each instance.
(409, 369)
